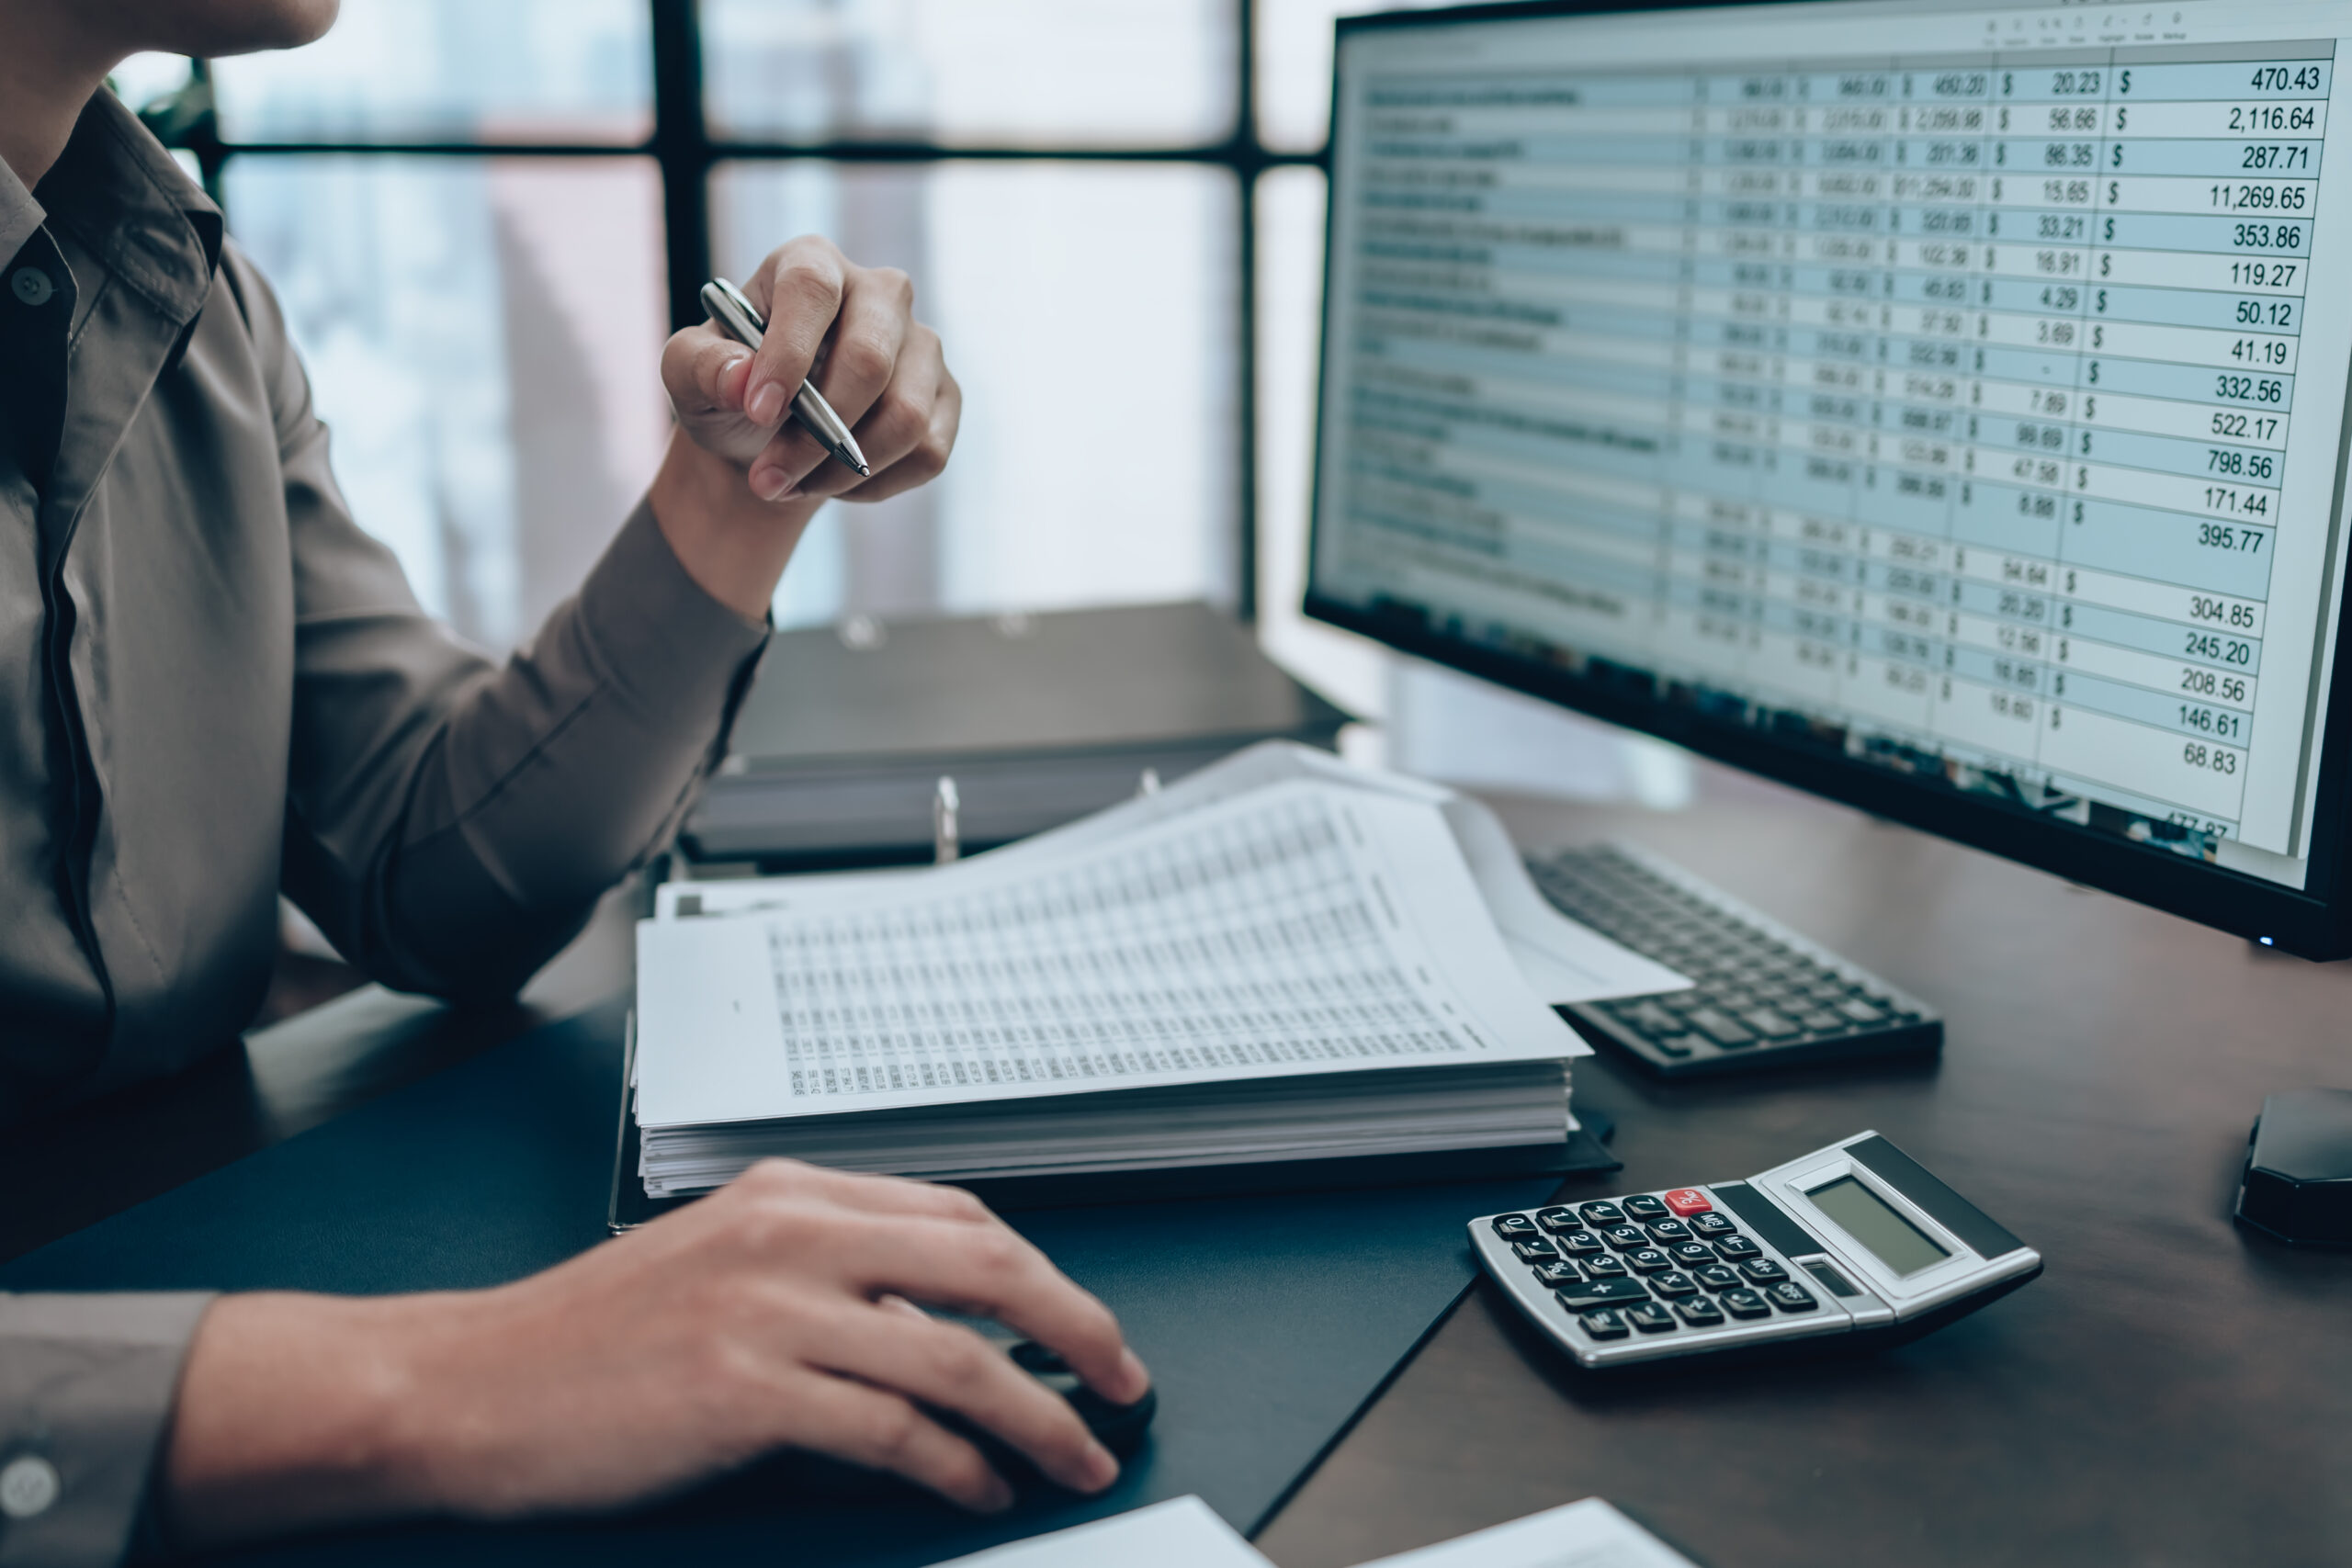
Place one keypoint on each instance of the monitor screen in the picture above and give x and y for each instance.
(1926, 403)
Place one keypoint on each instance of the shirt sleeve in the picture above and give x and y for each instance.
(450, 822)
(87, 1384)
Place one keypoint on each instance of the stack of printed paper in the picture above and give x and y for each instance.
(1279, 959)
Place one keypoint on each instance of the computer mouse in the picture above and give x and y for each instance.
(1118, 1427)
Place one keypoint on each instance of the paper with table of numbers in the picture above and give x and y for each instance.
(1302, 927)
(1564, 961)
(1182, 1532)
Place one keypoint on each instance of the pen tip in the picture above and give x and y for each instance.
(865, 472)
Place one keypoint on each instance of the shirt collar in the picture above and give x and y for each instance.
(19, 214)
(124, 197)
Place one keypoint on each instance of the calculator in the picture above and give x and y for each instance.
(1855, 1240)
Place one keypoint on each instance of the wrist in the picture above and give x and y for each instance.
(295, 1412)
(733, 544)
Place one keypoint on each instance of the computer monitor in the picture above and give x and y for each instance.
(1930, 405)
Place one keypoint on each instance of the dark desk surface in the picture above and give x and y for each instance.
(2169, 1392)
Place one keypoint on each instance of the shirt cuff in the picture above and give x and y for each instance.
(671, 650)
(87, 1384)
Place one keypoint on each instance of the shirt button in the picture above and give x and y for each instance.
(31, 285)
(29, 1484)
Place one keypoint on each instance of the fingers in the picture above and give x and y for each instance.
(705, 372)
(799, 289)
(928, 457)
(883, 1431)
(863, 357)
(948, 1367)
(988, 1270)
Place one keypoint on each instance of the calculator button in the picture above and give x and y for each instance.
(1716, 1276)
(1603, 1324)
(1711, 1224)
(1675, 1045)
(1625, 1238)
(1510, 1227)
(1559, 1221)
(1650, 1317)
(1643, 1208)
(1744, 1303)
(1558, 1274)
(1732, 1248)
(1602, 1213)
(1673, 1282)
(1648, 1260)
(1693, 1254)
(1536, 1251)
(1699, 1312)
(1790, 1296)
(1577, 1244)
(1687, 1201)
(1601, 1293)
(1666, 1233)
(1604, 1267)
(1763, 1271)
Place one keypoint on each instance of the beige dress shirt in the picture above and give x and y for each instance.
(213, 686)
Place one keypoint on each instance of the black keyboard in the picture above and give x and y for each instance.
(1762, 994)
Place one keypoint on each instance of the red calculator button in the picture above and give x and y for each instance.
(1687, 1201)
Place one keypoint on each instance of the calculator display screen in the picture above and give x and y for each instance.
(1871, 1219)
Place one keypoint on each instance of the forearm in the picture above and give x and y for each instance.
(290, 1417)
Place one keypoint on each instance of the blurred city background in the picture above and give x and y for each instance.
(1113, 211)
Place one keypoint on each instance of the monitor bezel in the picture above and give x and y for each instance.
(2313, 922)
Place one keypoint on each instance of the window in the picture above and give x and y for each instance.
(483, 220)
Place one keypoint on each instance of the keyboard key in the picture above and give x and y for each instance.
(1673, 1282)
(1625, 1238)
(1763, 1271)
(1603, 1267)
(1859, 1010)
(1821, 1021)
(1577, 1244)
(1650, 1317)
(1648, 1260)
(1722, 1028)
(1603, 1324)
(1559, 1274)
(1675, 1045)
(1790, 1296)
(1717, 1277)
(1699, 1312)
(1559, 1221)
(1651, 1019)
(1669, 1232)
(1510, 1227)
(1714, 1227)
(1602, 1213)
(1693, 1254)
(1771, 1025)
(1642, 1208)
(1745, 1302)
(1536, 1251)
(1687, 1201)
(1733, 1249)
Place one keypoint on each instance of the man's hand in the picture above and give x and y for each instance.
(742, 478)
(771, 1314)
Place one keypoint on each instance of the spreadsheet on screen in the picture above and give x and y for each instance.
(1946, 382)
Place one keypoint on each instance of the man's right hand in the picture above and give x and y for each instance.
(771, 1314)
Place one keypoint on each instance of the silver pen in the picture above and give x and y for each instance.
(742, 320)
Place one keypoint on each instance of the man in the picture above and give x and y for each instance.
(213, 685)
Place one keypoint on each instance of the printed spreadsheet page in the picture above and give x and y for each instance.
(1305, 928)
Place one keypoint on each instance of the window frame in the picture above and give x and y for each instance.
(686, 154)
